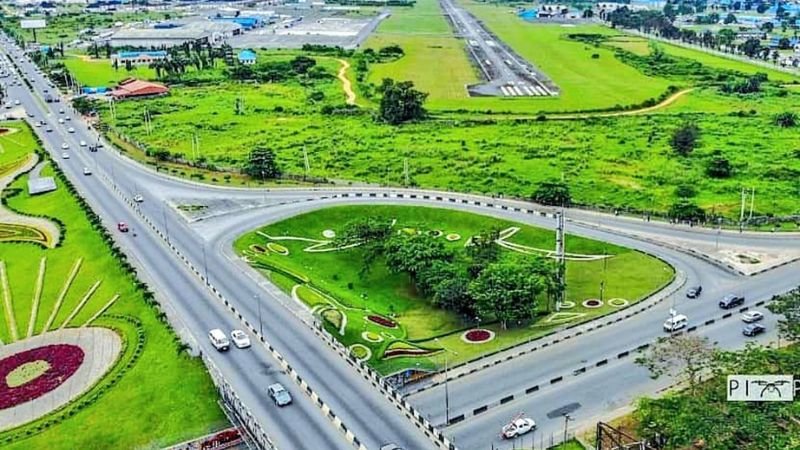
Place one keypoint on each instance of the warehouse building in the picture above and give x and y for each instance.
(200, 31)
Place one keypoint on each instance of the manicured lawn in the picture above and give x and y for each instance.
(101, 73)
(163, 398)
(334, 280)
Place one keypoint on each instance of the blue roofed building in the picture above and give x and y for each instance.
(247, 57)
(528, 14)
(247, 23)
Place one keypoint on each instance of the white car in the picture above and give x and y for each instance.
(67, 118)
(138, 198)
(216, 336)
(60, 120)
(752, 316)
(61, 111)
(676, 323)
(16, 102)
(65, 155)
(240, 339)
(65, 146)
(83, 143)
(518, 427)
(87, 171)
(71, 130)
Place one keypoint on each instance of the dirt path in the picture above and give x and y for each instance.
(346, 85)
(664, 103)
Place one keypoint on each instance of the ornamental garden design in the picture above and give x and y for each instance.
(389, 316)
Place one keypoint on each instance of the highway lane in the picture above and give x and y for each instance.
(601, 393)
(249, 371)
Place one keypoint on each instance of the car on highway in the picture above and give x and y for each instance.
(122, 227)
(65, 155)
(675, 323)
(71, 130)
(279, 394)
(753, 329)
(390, 446)
(65, 146)
(38, 125)
(30, 114)
(83, 143)
(731, 301)
(219, 340)
(752, 316)
(87, 171)
(9, 105)
(60, 120)
(694, 291)
(61, 110)
(49, 129)
(138, 198)
(16, 102)
(240, 339)
(518, 427)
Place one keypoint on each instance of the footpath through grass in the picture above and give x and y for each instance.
(330, 282)
(163, 398)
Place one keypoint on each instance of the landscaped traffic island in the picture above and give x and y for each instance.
(394, 285)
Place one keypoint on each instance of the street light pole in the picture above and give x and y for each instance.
(567, 418)
(164, 215)
(205, 263)
(446, 385)
(260, 324)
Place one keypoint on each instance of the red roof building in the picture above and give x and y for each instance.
(138, 88)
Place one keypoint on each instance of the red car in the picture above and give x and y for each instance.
(123, 227)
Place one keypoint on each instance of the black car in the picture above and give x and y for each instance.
(694, 291)
(731, 301)
(753, 329)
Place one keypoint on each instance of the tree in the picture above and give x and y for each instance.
(786, 119)
(553, 193)
(685, 190)
(684, 138)
(261, 164)
(452, 294)
(729, 19)
(400, 102)
(750, 47)
(301, 64)
(788, 306)
(685, 356)
(767, 27)
(370, 234)
(412, 253)
(719, 166)
(505, 291)
(483, 250)
(685, 209)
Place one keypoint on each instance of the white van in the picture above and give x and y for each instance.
(219, 340)
(675, 323)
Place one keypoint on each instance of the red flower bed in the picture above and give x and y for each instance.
(478, 335)
(383, 321)
(64, 361)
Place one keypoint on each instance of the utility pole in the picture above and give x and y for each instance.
(560, 257)
(305, 161)
(405, 170)
(752, 203)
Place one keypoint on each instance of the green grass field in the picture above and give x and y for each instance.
(628, 274)
(164, 398)
(100, 72)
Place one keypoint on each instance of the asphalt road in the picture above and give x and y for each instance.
(206, 243)
(350, 397)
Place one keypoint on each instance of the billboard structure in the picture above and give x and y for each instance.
(32, 24)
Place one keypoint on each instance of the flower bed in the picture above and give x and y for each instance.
(477, 336)
(278, 248)
(382, 321)
(361, 352)
(592, 303)
(452, 237)
(618, 302)
(258, 249)
(62, 361)
(369, 336)
(329, 234)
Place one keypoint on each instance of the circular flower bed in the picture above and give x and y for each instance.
(329, 234)
(361, 352)
(29, 374)
(453, 237)
(592, 303)
(278, 248)
(618, 302)
(369, 336)
(566, 304)
(477, 336)
(382, 321)
(436, 233)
